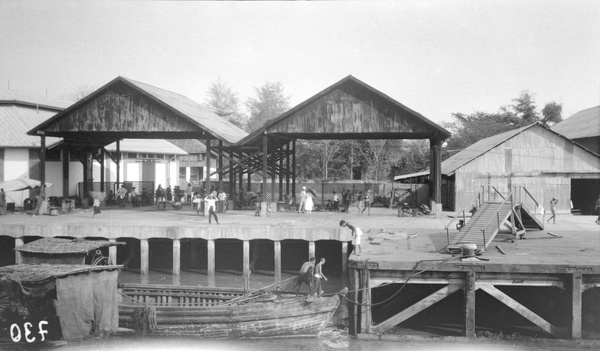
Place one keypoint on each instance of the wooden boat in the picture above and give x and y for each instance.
(219, 313)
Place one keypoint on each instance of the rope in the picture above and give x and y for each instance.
(403, 285)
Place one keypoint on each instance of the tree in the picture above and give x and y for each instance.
(269, 103)
(224, 102)
(524, 107)
(80, 92)
(552, 113)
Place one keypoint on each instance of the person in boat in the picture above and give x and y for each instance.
(318, 276)
(306, 275)
(356, 235)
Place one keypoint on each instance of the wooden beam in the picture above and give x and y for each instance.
(366, 324)
(18, 243)
(469, 306)
(311, 250)
(416, 308)
(344, 263)
(264, 166)
(520, 309)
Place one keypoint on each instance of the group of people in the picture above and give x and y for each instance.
(307, 203)
(311, 274)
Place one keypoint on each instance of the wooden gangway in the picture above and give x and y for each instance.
(484, 225)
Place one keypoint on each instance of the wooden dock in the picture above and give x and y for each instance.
(569, 260)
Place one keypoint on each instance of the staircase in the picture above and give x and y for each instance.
(530, 221)
(488, 219)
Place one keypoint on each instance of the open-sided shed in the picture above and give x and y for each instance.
(348, 109)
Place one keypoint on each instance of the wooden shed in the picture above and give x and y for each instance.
(75, 301)
(545, 163)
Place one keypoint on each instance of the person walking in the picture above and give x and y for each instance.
(359, 201)
(318, 276)
(2, 202)
(211, 205)
(553, 203)
(367, 205)
(309, 203)
(356, 235)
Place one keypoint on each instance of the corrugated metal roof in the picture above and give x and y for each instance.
(208, 120)
(153, 146)
(16, 121)
(15, 97)
(458, 160)
(583, 124)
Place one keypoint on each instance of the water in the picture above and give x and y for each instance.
(329, 340)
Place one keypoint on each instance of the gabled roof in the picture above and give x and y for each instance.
(19, 112)
(349, 80)
(583, 124)
(182, 106)
(153, 146)
(467, 155)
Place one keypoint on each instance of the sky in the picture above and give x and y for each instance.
(435, 57)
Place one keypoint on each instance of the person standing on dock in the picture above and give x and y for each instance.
(318, 276)
(356, 235)
(336, 202)
(96, 207)
(359, 201)
(553, 203)
(346, 200)
(211, 205)
(302, 200)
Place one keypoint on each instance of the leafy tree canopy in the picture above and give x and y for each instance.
(224, 102)
(269, 103)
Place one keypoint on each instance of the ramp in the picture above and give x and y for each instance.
(489, 217)
(530, 221)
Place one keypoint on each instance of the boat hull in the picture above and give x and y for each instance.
(264, 316)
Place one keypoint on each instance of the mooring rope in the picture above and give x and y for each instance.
(403, 285)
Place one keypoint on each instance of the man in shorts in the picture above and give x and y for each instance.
(356, 235)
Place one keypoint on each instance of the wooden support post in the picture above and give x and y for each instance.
(18, 243)
(208, 156)
(354, 325)
(144, 257)
(65, 171)
(265, 169)
(294, 171)
(287, 168)
(311, 250)
(246, 269)
(118, 164)
(176, 257)
(102, 169)
(42, 158)
(112, 251)
(221, 165)
(469, 307)
(365, 315)
(210, 264)
(277, 254)
(576, 304)
(344, 263)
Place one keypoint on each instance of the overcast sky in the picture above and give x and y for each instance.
(436, 57)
